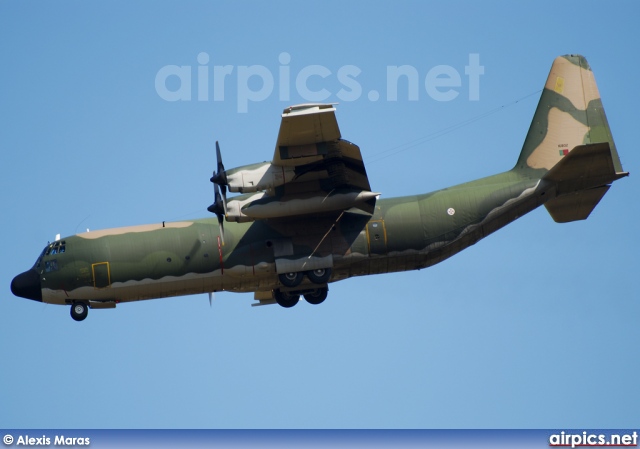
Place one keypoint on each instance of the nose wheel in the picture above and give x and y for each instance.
(79, 311)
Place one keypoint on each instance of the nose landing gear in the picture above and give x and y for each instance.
(79, 311)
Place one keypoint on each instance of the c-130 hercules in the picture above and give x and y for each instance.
(309, 217)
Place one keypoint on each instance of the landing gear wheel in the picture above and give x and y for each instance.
(319, 276)
(79, 311)
(317, 296)
(291, 279)
(286, 300)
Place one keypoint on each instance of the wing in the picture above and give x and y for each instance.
(309, 142)
(302, 128)
(313, 172)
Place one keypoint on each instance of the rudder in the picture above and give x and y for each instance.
(569, 114)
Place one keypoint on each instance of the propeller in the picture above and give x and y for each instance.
(219, 180)
(220, 176)
(210, 299)
(219, 208)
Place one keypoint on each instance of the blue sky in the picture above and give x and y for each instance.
(535, 326)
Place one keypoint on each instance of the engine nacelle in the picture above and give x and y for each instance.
(261, 206)
(307, 205)
(256, 177)
(237, 203)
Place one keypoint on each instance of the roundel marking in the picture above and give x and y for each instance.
(451, 211)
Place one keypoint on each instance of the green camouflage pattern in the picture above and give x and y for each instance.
(567, 162)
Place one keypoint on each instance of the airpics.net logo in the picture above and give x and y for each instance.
(312, 83)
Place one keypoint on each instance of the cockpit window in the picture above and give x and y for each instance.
(51, 265)
(57, 247)
(39, 261)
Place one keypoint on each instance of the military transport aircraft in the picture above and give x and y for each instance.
(309, 217)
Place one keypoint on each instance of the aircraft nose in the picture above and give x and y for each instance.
(27, 285)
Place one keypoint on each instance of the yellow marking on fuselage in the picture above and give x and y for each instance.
(93, 270)
(384, 232)
(574, 83)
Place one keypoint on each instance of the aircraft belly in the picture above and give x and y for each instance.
(50, 296)
(169, 286)
(424, 230)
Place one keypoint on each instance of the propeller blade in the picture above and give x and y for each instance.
(219, 175)
(210, 299)
(221, 228)
(221, 212)
(218, 204)
(224, 198)
(220, 167)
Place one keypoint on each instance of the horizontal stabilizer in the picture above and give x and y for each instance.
(581, 179)
(575, 206)
(584, 167)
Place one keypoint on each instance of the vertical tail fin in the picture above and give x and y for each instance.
(569, 114)
(569, 145)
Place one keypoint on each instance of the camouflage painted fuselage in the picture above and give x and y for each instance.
(181, 258)
(310, 213)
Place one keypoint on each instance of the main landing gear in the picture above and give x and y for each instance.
(319, 276)
(285, 299)
(79, 311)
(313, 295)
(291, 279)
(317, 296)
